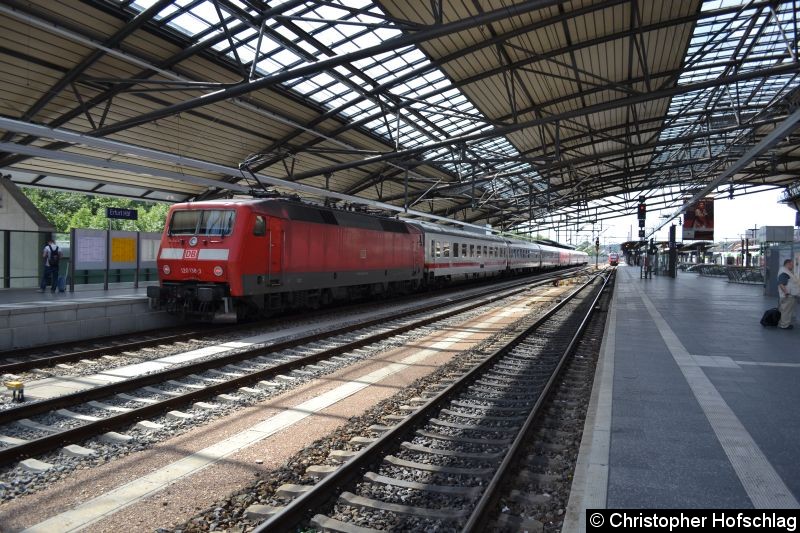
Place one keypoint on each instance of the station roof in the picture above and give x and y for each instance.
(520, 114)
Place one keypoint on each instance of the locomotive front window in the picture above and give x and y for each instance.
(202, 222)
(216, 222)
(184, 222)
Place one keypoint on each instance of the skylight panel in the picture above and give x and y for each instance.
(285, 57)
(331, 13)
(268, 66)
(286, 32)
(305, 87)
(384, 34)
(345, 47)
(376, 71)
(323, 79)
(189, 24)
(372, 124)
(206, 11)
(323, 95)
(339, 88)
(329, 35)
(308, 48)
(246, 54)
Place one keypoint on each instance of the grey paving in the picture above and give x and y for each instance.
(704, 399)
(30, 318)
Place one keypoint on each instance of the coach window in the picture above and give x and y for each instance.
(433, 249)
(446, 249)
(260, 227)
(485, 253)
(455, 249)
(438, 249)
(464, 250)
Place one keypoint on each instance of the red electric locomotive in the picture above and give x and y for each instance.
(228, 259)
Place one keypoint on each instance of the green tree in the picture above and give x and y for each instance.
(74, 210)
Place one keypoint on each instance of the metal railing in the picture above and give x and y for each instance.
(752, 275)
(735, 274)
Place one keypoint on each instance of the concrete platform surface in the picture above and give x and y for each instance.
(695, 403)
(10, 298)
(30, 318)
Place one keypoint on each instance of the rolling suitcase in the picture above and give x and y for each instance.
(771, 318)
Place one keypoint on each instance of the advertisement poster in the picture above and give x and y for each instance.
(698, 221)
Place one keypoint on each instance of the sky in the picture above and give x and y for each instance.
(731, 219)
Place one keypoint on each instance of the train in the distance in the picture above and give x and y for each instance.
(229, 259)
(613, 259)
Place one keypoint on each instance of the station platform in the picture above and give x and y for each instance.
(32, 318)
(694, 403)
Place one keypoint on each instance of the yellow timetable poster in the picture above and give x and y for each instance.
(123, 250)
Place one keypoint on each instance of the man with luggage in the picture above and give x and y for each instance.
(788, 287)
(51, 255)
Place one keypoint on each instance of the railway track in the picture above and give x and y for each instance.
(82, 415)
(44, 357)
(444, 465)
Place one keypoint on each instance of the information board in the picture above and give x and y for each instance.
(148, 249)
(123, 249)
(90, 249)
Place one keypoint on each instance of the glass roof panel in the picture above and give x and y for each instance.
(723, 45)
(435, 111)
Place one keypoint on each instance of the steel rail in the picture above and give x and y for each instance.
(77, 355)
(52, 360)
(49, 442)
(485, 509)
(332, 485)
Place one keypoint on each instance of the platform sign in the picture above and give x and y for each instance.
(698, 221)
(120, 213)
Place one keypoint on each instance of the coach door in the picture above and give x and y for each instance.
(276, 242)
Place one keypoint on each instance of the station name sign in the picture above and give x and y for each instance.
(127, 214)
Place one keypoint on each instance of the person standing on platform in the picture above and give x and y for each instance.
(51, 254)
(788, 287)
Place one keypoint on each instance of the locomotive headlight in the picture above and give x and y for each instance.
(218, 271)
(166, 269)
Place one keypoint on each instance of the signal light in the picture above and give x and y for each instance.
(641, 212)
(218, 271)
(166, 269)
